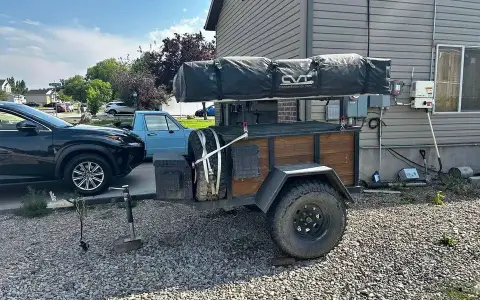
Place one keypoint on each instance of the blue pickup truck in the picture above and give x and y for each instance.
(160, 132)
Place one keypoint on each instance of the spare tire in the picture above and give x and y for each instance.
(204, 191)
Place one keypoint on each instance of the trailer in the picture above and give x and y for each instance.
(298, 174)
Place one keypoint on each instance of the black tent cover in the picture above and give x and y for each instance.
(254, 78)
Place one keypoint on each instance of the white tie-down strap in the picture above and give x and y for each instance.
(203, 158)
(219, 162)
(206, 163)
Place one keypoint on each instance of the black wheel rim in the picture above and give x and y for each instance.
(309, 221)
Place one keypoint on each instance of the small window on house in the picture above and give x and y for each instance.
(471, 80)
(457, 79)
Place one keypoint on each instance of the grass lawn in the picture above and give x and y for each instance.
(189, 123)
(196, 123)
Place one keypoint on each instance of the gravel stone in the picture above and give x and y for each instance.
(390, 250)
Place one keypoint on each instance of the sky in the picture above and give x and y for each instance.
(44, 41)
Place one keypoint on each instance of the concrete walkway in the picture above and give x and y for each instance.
(141, 182)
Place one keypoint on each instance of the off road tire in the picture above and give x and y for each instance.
(73, 164)
(203, 189)
(312, 204)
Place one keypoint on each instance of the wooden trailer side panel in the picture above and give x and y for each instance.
(290, 150)
(287, 150)
(337, 151)
(250, 186)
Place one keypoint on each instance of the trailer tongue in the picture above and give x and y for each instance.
(296, 173)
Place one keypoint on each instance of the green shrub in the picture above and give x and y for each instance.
(438, 198)
(447, 241)
(457, 185)
(34, 204)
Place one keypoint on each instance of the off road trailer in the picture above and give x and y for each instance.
(296, 173)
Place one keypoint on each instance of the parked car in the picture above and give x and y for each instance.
(61, 107)
(36, 146)
(51, 104)
(69, 106)
(160, 132)
(210, 112)
(118, 107)
(32, 104)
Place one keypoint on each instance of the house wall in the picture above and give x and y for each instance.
(39, 99)
(270, 28)
(402, 30)
(7, 88)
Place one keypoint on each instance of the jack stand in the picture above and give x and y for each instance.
(129, 242)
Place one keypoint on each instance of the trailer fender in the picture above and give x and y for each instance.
(279, 175)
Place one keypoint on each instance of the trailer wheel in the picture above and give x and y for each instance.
(203, 189)
(308, 219)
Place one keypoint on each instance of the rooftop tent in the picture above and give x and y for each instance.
(254, 78)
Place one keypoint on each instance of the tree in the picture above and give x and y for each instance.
(105, 70)
(62, 97)
(18, 87)
(174, 52)
(76, 87)
(149, 96)
(3, 96)
(98, 92)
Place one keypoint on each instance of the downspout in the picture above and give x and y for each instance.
(368, 28)
(433, 38)
(308, 50)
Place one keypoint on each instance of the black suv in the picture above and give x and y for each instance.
(36, 146)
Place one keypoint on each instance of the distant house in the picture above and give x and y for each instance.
(5, 86)
(17, 98)
(42, 97)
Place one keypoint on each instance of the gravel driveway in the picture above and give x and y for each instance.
(389, 251)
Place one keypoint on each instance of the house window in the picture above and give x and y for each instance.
(457, 79)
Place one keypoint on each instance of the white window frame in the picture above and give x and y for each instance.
(459, 111)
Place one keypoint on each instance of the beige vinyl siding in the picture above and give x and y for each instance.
(409, 127)
(402, 31)
(339, 26)
(406, 38)
(269, 28)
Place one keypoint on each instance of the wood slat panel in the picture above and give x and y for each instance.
(337, 151)
(294, 150)
(250, 186)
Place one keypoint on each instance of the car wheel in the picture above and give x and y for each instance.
(308, 220)
(112, 112)
(88, 174)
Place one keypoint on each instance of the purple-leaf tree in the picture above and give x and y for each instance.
(138, 89)
(164, 63)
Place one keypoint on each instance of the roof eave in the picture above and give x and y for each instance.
(213, 15)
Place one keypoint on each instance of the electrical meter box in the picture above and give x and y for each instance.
(379, 101)
(356, 107)
(422, 94)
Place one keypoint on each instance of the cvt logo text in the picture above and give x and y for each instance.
(302, 80)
